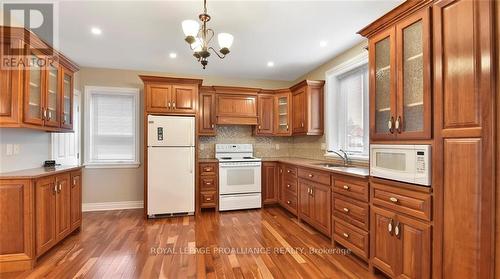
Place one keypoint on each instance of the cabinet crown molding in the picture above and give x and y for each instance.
(158, 79)
(236, 90)
(396, 14)
(311, 83)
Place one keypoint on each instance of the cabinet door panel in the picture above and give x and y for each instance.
(382, 84)
(67, 100)
(34, 84)
(158, 98)
(282, 110)
(63, 205)
(269, 183)
(184, 98)
(207, 114)
(304, 200)
(9, 90)
(321, 206)
(414, 248)
(52, 97)
(383, 245)
(45, 214)
(266, 106)
(76, 199)
(299, 111)
(414, 92)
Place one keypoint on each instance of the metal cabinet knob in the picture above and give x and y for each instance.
(346, 187)
(346, 235)
(393, 199)
(288, 202)
(288, 171)
(288, 185)
(310, 175)
(209, 199)
(346, 209)
(213, 126)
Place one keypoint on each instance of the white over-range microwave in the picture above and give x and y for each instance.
(406, 163)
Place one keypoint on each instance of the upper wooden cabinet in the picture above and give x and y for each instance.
(307, 108)
(206, 112)
(167, 95)
(40, 95)
(265, 104)
(400, 75)
(282, 113)
(236, 105)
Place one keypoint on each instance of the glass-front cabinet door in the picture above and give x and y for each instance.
(52, 97)
(382, 85)
(34, 110)
(67, 100)
(282, 117)
(413, 119)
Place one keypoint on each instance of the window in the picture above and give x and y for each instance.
(111, 127)
(347, 108)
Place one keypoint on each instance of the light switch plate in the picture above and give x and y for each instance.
(9, 149)
(17, 149)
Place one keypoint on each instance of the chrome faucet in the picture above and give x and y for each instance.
(344, 156)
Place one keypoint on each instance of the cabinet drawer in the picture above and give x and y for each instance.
(351, 211)
(208, 183)
(290, 201)
(354, 189)
(290, 172)
(316, 176)
(351, 237)
(208, 199)
(208, 169)
(405, 201)
(290, 185)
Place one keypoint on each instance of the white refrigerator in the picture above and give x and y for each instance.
(171, 165)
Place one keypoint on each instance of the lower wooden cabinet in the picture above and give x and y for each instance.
(208, 185)
(401, 246)
(314, 205)
(269, 183)
(35, 215)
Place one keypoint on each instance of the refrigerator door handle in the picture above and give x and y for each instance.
(191, 158)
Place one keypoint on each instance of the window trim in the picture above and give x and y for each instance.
(331, 87)
(89, 91)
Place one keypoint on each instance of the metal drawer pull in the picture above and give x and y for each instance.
(55, 188)
(213, 126)
(288, 202)
(288, 171)
(74, 181)
(393, 199)
(288, 185)
(209, 199)
(346, 187)
(346, 235)
(60, 187)
(396, 230)
(346, 209)
(389, 226)
(208, 183)
(169, 105)
(310, 175)
(173, 104)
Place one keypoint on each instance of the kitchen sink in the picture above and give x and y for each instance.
(331, 165)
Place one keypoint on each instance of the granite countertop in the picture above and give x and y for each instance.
(37, 172)
(357, 171)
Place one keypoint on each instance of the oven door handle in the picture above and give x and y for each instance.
(247, 166)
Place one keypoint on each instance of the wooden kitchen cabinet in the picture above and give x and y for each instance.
(76, 199)
(315, 205)
(282, 113)
(236, 105)
(168, 95)
(206, 115)
(63, 205)
(269, 183)
(401, 246)
(45, 214)
(307, 108)
(399, 70)
(288, 188)
(208, 185)
(36, 97)
(265, 104)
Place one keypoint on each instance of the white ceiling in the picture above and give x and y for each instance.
(140, 35)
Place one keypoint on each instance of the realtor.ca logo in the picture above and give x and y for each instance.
(29, 30)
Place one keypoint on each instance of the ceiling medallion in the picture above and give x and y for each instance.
(199, 38)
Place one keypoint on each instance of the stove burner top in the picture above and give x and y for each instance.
(247, 157)
(226, 158)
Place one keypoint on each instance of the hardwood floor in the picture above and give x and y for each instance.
(121, 244)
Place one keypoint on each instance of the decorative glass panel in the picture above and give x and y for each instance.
(283, 114)
(66, 99)
(35, 91)
(382, 85)
(52, 88)
(413, 78)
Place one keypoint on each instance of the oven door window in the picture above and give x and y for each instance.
(239, 177)
(391, 161)
(234, 180)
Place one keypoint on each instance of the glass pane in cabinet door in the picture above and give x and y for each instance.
(67, 99)
(413, 78)
(283, 114)
(382, 85)
(52, 88)
(35, 90)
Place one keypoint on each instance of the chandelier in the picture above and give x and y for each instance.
(199, 38)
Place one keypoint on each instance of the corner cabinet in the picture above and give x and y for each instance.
(282, 113)
(400, 79)
(308, 108)
(171, 96)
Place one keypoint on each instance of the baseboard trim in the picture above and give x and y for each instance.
(103, 206)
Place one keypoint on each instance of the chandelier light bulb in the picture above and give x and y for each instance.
(225, 40)
(190, 27)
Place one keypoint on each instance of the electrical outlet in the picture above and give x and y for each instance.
(277, 146)
(323, 146)
(17, 149)
(9, 149)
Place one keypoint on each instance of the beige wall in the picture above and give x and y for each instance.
(113, 185)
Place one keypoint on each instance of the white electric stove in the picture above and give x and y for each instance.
(239, 177)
